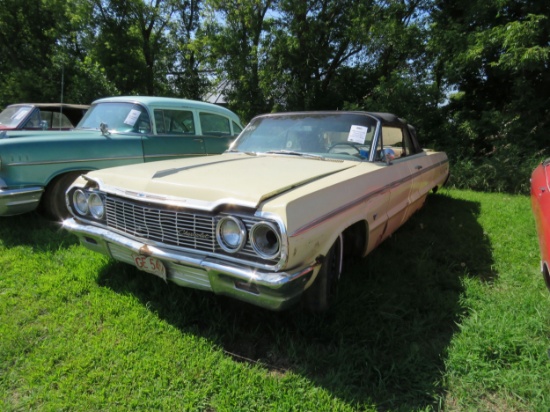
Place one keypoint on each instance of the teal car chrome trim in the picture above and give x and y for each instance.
(99, 159)
(16, 201)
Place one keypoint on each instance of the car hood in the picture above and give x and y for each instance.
(208, 182)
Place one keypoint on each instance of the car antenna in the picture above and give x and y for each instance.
(62, 86)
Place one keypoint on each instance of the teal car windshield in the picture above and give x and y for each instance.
(118, 117)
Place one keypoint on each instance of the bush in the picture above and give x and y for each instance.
(507, 170)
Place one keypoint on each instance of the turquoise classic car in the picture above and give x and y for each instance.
(37, 167)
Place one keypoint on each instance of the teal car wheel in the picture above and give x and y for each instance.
(53, 204)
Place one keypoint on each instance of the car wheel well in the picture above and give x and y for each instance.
(53, 204)
(546, 275)
(355, 240)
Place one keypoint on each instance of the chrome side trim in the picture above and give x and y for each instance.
(53, 162)
(19, 201)
(362, 199)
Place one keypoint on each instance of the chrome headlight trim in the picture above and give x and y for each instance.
(266, 240)
(80, 202)
(96, 205)
(239, 230)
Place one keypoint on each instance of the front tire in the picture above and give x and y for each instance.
(53, 204)
(324, 290)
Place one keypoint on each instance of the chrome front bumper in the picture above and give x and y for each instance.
(271, 290)
(18, 201)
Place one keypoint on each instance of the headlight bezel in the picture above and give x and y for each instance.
(255, 239)
(222, 241)
(94, 211)
(80, 209)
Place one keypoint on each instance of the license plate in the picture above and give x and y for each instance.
(150, 265)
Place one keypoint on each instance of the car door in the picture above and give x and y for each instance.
(176, 136)
(421, 167)
(398, 176)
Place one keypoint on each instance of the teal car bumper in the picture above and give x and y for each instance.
(18, 201)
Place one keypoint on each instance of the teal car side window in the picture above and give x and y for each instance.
(176, 122)
(213, 124)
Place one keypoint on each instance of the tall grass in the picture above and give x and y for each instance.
(449, 313)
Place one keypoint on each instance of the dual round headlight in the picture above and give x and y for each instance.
(89, 203)
(265, 240)
(231, 234)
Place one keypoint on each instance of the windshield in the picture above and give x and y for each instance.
(12, 116)
(330, 135)
(119, 117)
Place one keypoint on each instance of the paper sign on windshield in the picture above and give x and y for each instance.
(358, 134)
(132, 117)
(20, 114)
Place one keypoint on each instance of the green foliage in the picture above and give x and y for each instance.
(495, 54)
(236, 52)
(471, 76)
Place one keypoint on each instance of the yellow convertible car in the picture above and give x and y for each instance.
(271, 220)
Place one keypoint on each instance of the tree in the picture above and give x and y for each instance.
(311, 41)
(130, 38)
(184, 74)
(495, 56)
(233, 38)
(29, 30)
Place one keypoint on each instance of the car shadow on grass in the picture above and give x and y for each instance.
(384, 343)
(31, 229)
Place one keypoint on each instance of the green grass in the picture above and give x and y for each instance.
(449, 313)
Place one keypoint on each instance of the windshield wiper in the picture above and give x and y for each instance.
(293, 153)
(238, 151)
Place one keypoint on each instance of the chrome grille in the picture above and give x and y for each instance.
(172, 226)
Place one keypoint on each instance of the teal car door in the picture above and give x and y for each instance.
(218, 131)
(176, 136)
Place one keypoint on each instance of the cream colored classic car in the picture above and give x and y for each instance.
(271, 220)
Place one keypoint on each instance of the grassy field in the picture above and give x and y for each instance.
(450, 313)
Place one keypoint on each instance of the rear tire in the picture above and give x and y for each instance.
(324, 290)
(53, 205)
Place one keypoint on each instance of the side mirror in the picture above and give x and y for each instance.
(104, 129)
(389, 156)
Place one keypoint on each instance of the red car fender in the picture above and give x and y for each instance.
(540, 203)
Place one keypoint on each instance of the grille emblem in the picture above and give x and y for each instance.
(196, 235)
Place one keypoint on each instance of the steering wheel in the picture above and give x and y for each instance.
(344, 144)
